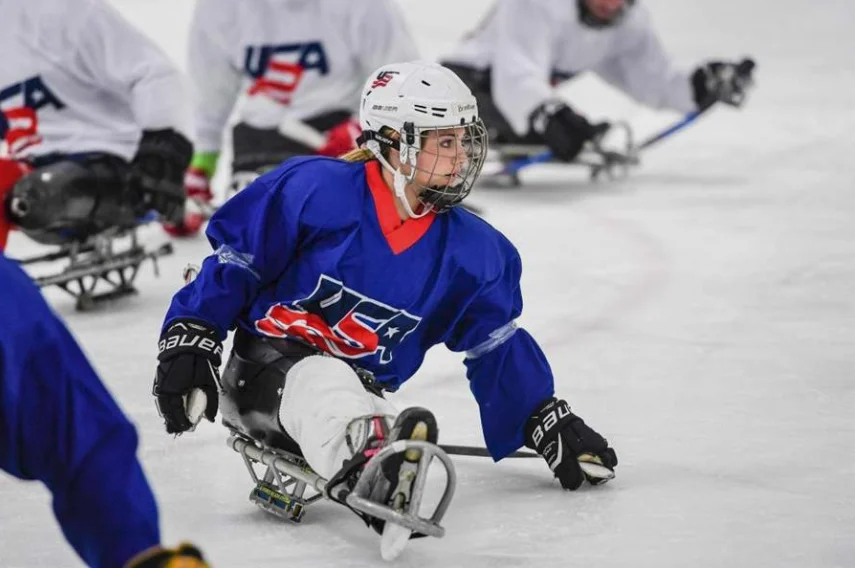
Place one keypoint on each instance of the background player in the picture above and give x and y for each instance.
(296, 67)
(92, 121)
(524, 48)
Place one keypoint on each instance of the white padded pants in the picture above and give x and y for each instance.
(320, 398)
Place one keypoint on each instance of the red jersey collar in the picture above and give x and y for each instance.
(400, 234)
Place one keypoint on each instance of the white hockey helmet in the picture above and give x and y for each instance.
(401, 104)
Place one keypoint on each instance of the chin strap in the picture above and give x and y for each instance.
(375, 142)
(400, 181)
(374, 136)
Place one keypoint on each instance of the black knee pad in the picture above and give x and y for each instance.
(252, 384)
(71, 200)
(261, 149)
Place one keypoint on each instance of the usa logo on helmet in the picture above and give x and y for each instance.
(383, 79)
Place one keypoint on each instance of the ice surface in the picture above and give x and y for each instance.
(700, 314)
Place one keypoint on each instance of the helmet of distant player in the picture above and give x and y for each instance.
(426, 114)
(603, 13)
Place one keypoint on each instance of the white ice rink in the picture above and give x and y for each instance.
(700, 314)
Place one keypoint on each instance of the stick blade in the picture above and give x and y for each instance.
(593, 468)
(195, 405)
(394, 541)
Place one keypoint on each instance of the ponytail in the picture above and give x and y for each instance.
(358, 155)
(363, 154)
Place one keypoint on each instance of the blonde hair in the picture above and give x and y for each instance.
(358, 155)
(364, 154)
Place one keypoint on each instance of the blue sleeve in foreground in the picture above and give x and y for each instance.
(509, 383)
(59, 425)
(507, 371)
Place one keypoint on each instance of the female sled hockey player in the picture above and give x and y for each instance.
(339, 275)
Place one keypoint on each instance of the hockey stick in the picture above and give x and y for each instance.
(515, 166)
(590, 464)
(743, 69)
(743, 72)
(688, 119)
(476, 451)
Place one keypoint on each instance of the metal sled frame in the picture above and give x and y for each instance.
(95, 260)
(599, 161)
(281, 490)
(358, 498)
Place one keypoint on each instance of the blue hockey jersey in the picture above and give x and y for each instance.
(59, 425)
(315, 250)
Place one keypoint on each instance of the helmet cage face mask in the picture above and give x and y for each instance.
(426, 113)
(451, 160)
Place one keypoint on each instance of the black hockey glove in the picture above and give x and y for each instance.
(189, 359)
(156, 175)
(564, 131)
(573, 451)
(720, 81)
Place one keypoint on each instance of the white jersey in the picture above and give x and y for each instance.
(526, 41)
(290, 59)
(76, 77)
